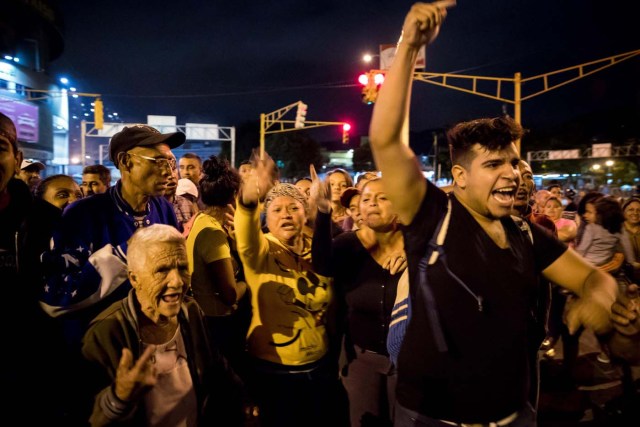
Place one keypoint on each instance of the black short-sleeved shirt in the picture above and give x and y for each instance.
(484, 374)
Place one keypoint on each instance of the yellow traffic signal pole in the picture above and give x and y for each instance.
(274, 118)
(582, 70)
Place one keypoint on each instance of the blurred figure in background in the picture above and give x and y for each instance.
(29, 172)
(96, 179)
(566, 228)
(337, 180)
(191, 167)
(631, 211)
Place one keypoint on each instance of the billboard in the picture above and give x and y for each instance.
(24, 116)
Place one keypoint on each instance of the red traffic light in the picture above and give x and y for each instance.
(346, 127)
(363, 79)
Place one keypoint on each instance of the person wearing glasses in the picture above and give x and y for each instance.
(86, 270)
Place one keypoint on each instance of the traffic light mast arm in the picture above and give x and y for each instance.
(449, 81)
(269, 119)
(307, 125)
(274, 117)
(444, 80)
(583, 70)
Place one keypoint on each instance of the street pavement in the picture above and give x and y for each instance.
(594, 394)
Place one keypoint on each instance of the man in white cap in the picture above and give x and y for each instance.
(30, 172)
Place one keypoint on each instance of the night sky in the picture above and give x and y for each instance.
(225, 62)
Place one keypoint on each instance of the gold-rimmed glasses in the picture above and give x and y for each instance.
(159, 162)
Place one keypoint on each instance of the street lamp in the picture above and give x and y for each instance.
(367, 57)
(609, 164)
(596, 167)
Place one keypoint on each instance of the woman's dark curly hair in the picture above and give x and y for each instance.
(492, 134)
(591, 197)
(220, 182)
(609, 214)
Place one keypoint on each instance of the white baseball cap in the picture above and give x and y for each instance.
(186, 186)
(30, 162)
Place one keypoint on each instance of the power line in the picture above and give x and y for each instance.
(333, 85)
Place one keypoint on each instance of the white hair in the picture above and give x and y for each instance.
(143, 238)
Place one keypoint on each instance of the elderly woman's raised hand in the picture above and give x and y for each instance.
(133, 378)
(318, 196)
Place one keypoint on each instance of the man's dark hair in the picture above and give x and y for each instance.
(102, 171)
(245, 162)
(492, 135)
(554, 185)
(220, 182)
(192, 156)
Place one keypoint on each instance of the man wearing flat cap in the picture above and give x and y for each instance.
(87, 267)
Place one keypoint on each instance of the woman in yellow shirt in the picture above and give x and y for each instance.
(294, 376)
(216, 283)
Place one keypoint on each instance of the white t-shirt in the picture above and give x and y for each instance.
(172, 401)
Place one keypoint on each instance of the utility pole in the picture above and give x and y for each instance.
(562, 77)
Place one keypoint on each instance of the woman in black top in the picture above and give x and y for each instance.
(366, 265)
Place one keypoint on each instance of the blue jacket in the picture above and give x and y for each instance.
(86, 268)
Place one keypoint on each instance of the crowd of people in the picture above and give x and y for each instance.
(191, 293)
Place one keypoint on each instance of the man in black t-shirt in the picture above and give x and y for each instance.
(464, 358)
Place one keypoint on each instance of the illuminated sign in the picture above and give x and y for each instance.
(24, 116)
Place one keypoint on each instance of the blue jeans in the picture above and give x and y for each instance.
(407, 418)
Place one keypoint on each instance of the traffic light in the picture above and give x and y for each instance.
(370, 85)
(345, 133)
(98, 114)
(301, 115)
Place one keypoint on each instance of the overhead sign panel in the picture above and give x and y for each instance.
(564, 154)
(601, 150)
(202, 131)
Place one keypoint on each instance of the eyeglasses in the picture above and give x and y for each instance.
(159, 162)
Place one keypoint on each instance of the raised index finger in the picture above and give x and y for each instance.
(445, 4)
(312, 172)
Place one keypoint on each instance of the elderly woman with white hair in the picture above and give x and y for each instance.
(293, 374)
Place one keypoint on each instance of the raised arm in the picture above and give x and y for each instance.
(250, 241)
(389, 131)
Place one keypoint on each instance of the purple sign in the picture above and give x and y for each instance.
(24, 116)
